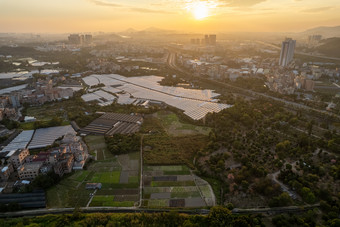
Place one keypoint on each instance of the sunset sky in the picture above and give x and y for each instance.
(56, 16)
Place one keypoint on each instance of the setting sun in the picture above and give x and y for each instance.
(200, 10)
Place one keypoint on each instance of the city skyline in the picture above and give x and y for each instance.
(182, 15)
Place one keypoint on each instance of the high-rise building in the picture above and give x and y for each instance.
(287, 52)
(209, 40)
(88, 39)
(212, 39)
(74, 39)
(206, 40)
(79, 39)
(314, 39)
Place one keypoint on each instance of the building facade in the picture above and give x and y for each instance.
(287, 52)
(18, 158)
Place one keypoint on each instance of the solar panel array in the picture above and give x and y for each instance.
(195, 103)
(46, 136)
(124, 99)
(114, 123)
(99, 96)
(112, 90)
(20, 142)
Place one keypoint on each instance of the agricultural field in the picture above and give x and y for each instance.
(175, 186)
(119, 177)
(174, 127)
(160, 148)
(46, 112)
(98, 148)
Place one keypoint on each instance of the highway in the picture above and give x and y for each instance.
(172, 63)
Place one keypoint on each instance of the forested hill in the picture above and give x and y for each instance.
(330, 47)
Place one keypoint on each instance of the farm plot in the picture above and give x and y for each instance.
(174, 127)
(174, 186)
(98, 148)
(120, 185)
(71, 191)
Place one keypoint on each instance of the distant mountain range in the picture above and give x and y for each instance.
(326, 32)
(147, 30)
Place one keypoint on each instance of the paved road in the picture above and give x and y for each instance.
(141, 172)
(40, 212)
(91, 197)
(284, 188)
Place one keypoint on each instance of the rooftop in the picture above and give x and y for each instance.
(30, 166)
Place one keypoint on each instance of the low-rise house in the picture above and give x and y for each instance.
(64, 164)
(18, 157)
(29, 171)
(90, 186)
(5, 171)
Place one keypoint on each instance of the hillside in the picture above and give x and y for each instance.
(326, 32)
(330, 47)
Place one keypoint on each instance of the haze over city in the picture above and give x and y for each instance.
(221, 113)
(62, 16)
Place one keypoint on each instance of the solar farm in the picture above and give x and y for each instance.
(20, 142)
(46, 136)
(40, 138)
(114, 123)
(175, 186)
(195, 103)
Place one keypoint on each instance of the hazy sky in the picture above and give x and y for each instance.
(57, 16)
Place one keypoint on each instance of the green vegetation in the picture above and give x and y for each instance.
(171, 81)
(98, 147)
(10, 124)
(185, 194)
(158, 203)
(330, 47)
(123, 144)
(3, 139)
(99, 200)
(172, 183)
(281, 200)
(164, 149)
(106, 177)
(71, 192)
(173, 126)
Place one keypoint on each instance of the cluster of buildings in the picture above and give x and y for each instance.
(37, 93)
(135, 50)
(70, 155)
(284, 76)
(207, 40)
(314, 40)
(79, 39)
(44, 91)
(9, 113)
(218, 68)
(288, 83)
(103, 65)
(303, 77)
